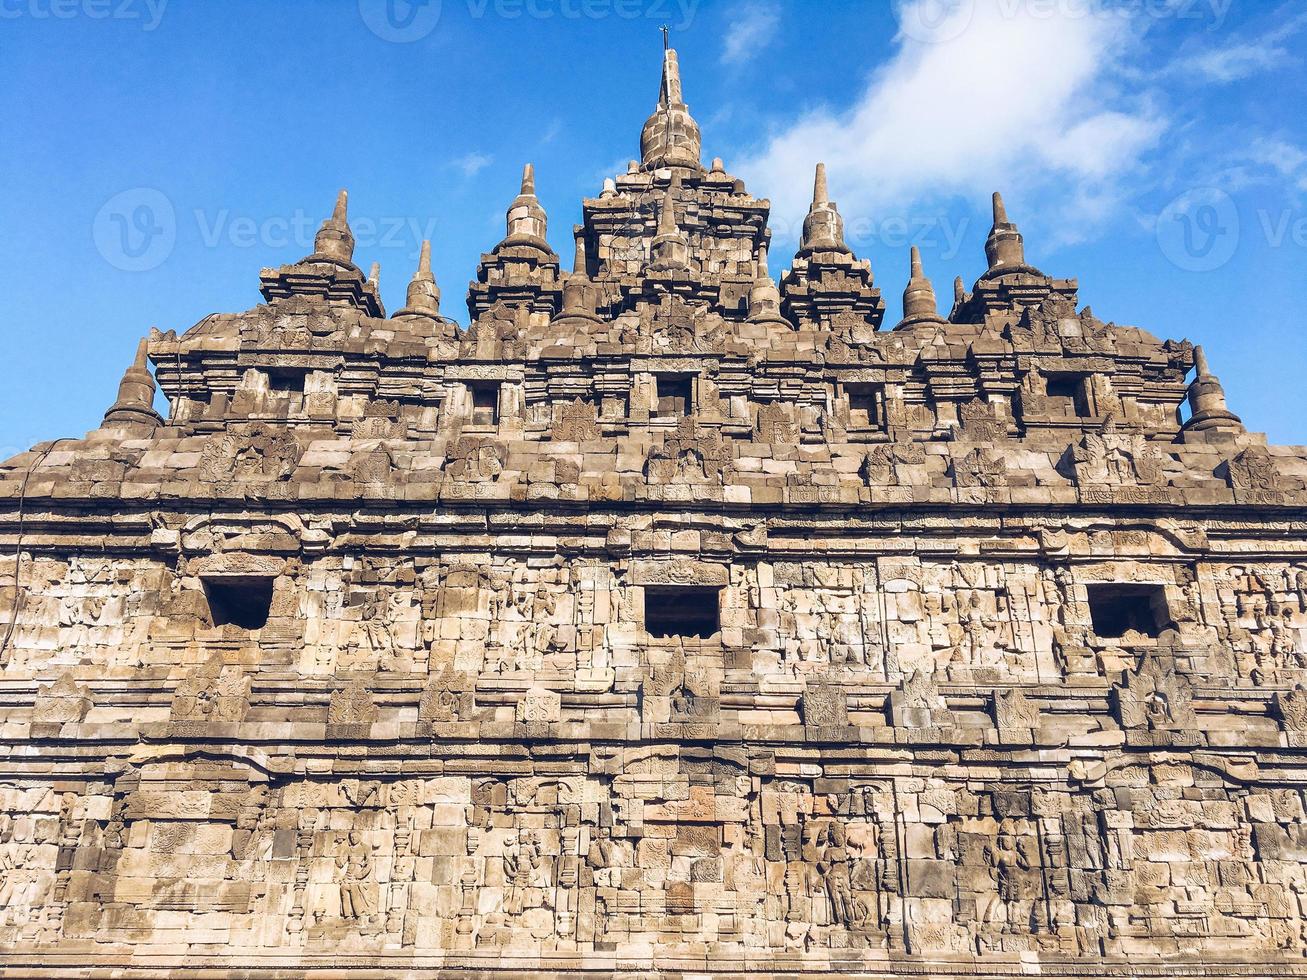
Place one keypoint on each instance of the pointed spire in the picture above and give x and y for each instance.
(135, 404)
(1000, 210)
(670, 93)
(1005, 249)
(1208, 409)
(959, 290)
(578, 291)
(335, 241)
(823, 228)
(670, 248)
(423, 293)
(764, 297)
(374, 274)
(919, 305)
(667, 215)
(671, 137)
(527, 223)
(578, 258)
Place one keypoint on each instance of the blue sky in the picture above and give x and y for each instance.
(157, 153)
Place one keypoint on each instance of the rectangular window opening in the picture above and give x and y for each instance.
(241, 602)
(485, 404)
(685, 611)
(675, 394)
(1067, 395)
(287, 380)
(864, 405)
(1117, 610)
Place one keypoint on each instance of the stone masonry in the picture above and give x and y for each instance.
(665, 621)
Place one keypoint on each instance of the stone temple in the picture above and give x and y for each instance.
(665, 621)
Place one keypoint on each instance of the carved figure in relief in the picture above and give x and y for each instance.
(1013, 863)
(17, 878)
(377, 612)
(833, 863)
(1283, 640)
(355, 866)
(522, 862)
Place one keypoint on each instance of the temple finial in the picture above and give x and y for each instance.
(666, 43)
(667, 214)
(823, 228)
(579, 296)
(764, 297)
(1207, 405)
(959, 289)
(374, 274)
(334, 240)
(423, 297)
(820, 195)
(919, 305)
(578, 257)
(670, 137)
(1000, 211)
(670, 248)
(527, 223)
(1005, 249)
(135, 404)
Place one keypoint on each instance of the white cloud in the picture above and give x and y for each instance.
(473, 163)
(1241, 59)
(1281, 157)
(752, 26)
(1232, 63)
(1007, 101)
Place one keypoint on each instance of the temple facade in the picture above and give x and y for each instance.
(665, 620)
